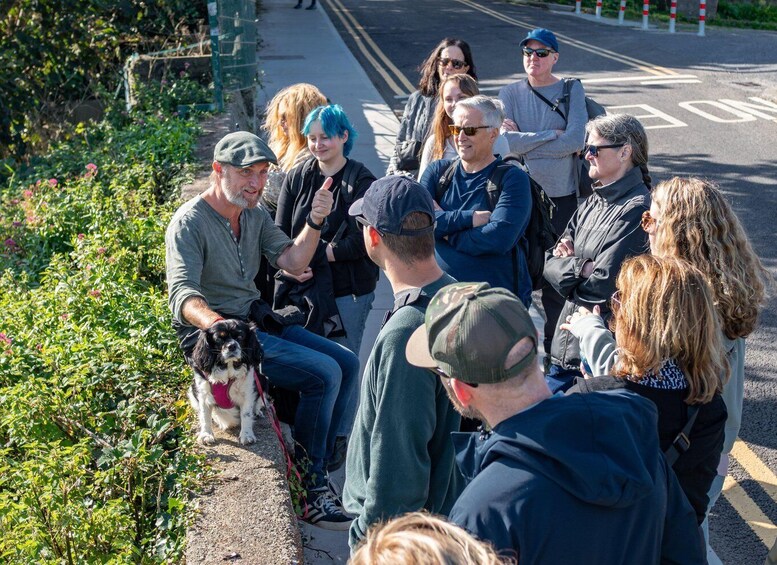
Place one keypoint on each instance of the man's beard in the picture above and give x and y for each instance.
(466, 411)
(238, 199)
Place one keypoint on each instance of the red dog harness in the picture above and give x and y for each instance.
(221, 394)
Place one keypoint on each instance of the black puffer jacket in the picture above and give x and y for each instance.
(413, 131)
(605, 229)
(353, 272)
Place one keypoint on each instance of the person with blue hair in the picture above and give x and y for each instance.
(340, 307)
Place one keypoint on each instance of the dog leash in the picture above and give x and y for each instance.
(276, 425)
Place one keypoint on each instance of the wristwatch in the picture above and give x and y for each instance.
(313, 225)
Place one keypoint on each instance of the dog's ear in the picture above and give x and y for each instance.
(255, 351)
(203, 355)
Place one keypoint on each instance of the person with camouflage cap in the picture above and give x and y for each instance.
(558, 479)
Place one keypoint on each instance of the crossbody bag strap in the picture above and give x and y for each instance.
(553, 106)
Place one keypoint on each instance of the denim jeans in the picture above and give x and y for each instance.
(353, 312)
(560, 379)
(327, 376)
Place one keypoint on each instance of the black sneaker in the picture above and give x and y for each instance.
(334, 490)
(338, 454)
(324, 513)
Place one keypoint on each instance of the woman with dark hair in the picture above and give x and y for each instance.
(440, 144)
(690, 218)
(667, 347)
(451, 56)
(603, 232)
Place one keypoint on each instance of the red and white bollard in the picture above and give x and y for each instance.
(702, 16)
(598, 8)
(645, 12)
(622, 12)
(578, 6)
(672, 15)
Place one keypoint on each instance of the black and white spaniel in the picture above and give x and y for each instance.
(224, 360)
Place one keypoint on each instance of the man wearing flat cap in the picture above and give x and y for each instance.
(558, 479)
(214, 244)
(545, 125)
(400, 456)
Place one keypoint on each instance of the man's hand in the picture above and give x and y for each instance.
(509, 125)
(564, 248)
(306, 275)
(480, 218)
(322, 202)
(437, 207)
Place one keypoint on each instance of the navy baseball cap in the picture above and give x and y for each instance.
(390, 200)
(544, 36)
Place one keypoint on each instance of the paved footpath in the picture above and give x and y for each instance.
(303, 46)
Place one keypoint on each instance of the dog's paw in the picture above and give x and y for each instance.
(247, 437)
(205, 438)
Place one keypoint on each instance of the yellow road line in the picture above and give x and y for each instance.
(342, 13)
(749, 511)
(750, 462)
(636, 63)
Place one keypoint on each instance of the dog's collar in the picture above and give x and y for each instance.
(221, 394)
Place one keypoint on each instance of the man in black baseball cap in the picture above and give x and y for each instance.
(214, 246)
(555, 471)
(400, 455)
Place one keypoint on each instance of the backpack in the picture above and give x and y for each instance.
(593, 109)
(539, 235)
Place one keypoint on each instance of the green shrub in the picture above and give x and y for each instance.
(96, 459)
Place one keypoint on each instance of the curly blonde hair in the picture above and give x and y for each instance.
(291, 105)
(666, 312)
(469, 87)
(698, 224)
(420, 537)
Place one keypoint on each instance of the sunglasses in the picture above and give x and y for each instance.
(615, 300)
(469, 131)
(541, 52)
(455, 63)
(437, 371)
(648, 222)
(363, 221)
(594, 149)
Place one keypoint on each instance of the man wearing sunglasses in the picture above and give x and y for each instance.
(554, 472)
(547, 132)
(483, 203)
(400, 456)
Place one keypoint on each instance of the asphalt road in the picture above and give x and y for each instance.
(710, 105)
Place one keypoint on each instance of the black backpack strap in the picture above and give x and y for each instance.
(414, 296)
(682, 442)
(494, 191)
(347, 191)
(445, 180)
(553, 106)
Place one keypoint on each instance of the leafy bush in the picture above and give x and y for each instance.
(96, 459)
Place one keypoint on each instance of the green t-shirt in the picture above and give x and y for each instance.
(205, 259)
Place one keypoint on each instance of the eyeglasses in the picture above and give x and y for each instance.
(594, 149)
(437, 371)
(468, 130)
(648, 222)
(615, 300)
(363, 221)
(541, 52)
(455, 63)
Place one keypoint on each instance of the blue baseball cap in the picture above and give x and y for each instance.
(544, 36)
(390, 200)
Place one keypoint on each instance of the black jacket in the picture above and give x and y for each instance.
(697, 467)
(353, 272)
(605, 229)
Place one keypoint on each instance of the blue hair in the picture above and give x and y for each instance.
(334, 122)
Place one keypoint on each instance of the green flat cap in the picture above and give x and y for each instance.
(243, 149)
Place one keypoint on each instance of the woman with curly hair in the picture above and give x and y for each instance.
(439, 144)
(419, 537)
(451, 56)
(667, 347)
(691, 219)
(283, 123)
